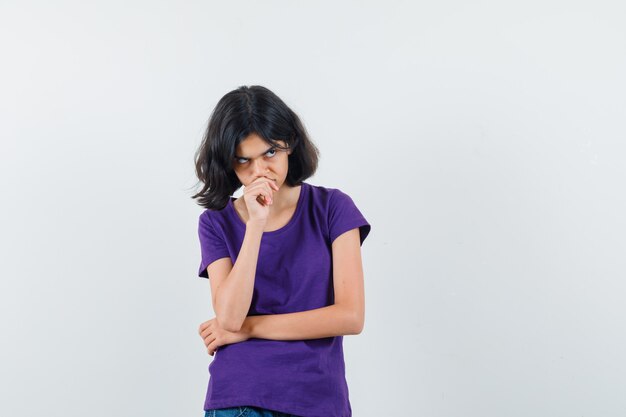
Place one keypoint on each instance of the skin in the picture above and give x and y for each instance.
(267, 204)
(262, 170)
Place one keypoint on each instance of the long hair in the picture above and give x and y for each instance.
(246, 110)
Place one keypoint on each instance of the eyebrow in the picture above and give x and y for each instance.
(266, 151)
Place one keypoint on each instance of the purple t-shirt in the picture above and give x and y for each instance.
(294, 273)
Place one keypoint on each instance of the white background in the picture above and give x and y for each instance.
(484, 142)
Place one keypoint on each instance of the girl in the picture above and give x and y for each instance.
(284, 262)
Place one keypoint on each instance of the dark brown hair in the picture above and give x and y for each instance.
(246, 110)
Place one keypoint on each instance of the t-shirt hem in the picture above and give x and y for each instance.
(242, 402)
(202, 272)
(362, 224)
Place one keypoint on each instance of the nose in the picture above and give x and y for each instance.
(259, 169)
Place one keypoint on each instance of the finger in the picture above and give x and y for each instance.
(256, 191)
(269, 192)
(208, 340)
(257, 183)
(261, 186)
(202, 326)
(262, 181)
(205, 333)
(264, 197)
(274, 185)
(207, 337)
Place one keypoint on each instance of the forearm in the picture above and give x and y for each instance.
(234, 295)
(329, 321)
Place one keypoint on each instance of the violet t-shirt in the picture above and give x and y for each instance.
(294, 273)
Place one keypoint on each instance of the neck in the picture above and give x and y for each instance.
(286, 196)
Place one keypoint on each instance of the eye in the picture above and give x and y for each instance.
(271, 150)
(241, 160)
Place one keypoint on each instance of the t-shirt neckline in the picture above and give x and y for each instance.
(290, 223)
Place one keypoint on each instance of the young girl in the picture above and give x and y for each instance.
(284, 262)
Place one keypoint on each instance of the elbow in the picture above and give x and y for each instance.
(356, 324)
(353, 320)
(227, 320)
(229, 324)
(234, 327)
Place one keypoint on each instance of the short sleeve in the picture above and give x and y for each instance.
(212, 244)
(343, 215)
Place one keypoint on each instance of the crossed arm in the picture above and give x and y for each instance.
(329, 321)
(345, 317)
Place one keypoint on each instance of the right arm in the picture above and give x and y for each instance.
(232, 285)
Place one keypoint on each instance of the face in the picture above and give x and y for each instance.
(255, 158)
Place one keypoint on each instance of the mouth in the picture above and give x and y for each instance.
(271, 179)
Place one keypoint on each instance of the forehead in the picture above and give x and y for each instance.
(254, 144)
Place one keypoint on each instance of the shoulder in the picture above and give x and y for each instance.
(207, 215)
(205, 219)
(210, 218)
(340, 212)
(327, 196)
(217, 212)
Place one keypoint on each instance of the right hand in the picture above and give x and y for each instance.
(258, 195)
(214, 336)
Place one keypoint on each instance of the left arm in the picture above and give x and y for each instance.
(345, 317)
